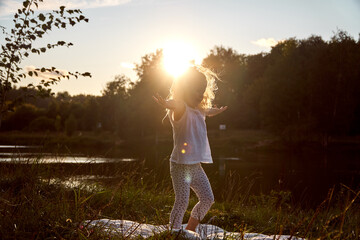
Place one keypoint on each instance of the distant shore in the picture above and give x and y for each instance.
(236, 140)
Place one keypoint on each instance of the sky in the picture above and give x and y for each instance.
(120, 32)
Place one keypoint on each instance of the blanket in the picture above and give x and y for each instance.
(131, 229)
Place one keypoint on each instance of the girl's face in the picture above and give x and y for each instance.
(195, 93)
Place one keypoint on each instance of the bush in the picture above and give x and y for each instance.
(42, 124)
(70, 125)
(21, 117)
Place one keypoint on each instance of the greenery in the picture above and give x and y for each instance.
(303, 91)
(41, 201)
(28, 29)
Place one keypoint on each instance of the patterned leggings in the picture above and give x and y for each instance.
(185, 177)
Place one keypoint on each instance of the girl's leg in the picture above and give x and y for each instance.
(201, 186)
(180, 175)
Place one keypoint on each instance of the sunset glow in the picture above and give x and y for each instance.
(178, 57)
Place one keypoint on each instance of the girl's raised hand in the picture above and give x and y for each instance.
(170, 104)
(215, 111)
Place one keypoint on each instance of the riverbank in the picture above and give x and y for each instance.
(36, 203)
(230, 142)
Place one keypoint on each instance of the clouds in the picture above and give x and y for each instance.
(10, 6)
(128, 65)
(265, 42)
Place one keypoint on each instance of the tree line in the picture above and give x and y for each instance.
(301, 90)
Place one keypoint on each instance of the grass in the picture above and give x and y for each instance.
(36, 204)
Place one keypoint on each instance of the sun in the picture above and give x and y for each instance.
(178, 57)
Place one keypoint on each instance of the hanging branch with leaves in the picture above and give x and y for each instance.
(28, 27)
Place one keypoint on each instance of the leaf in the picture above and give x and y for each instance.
(86, 74)
(26, 4)
(72, 23)
(41, 17)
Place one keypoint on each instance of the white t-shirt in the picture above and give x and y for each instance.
(191, 144)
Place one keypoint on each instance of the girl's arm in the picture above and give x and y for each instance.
(214, 111)
(177, 106)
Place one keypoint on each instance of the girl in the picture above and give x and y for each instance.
(189, 102)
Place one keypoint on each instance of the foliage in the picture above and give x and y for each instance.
(71, 125)
(37, 202)
(302, 90)
(152, 79)
(28, 28)
(42, 123)
(115, 105)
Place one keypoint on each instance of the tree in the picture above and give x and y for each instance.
(71, 125)
(230, 68)
(114, 110)
(29, 27)
(152, 79)
(120, 86)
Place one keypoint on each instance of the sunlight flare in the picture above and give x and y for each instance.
(178, 57)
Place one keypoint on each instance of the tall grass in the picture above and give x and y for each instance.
(36, 204)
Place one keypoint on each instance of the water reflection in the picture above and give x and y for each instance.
(62, 159)
(18, 146)
(88, 182)
(20, 154)
(308, 176)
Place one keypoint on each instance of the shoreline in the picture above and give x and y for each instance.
(237, 140)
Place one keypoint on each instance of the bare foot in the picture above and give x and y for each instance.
(192, 223)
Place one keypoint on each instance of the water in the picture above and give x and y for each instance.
(308, 176)
(47, 158)
(24, 154)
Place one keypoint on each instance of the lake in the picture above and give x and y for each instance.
(308, 176)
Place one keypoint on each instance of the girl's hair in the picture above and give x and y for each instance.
(192, 76)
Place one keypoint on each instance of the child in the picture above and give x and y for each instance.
(190, 101)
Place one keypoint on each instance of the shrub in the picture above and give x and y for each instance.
(42, 124)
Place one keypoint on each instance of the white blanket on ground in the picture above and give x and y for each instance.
(130, 229)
